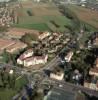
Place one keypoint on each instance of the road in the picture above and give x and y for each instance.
(72, 87)
(53, 63)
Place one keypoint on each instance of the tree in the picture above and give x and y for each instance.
(11, 80)
(4, 77)
(6, 56)
(28, 38)
(13, 58)
(7, 78)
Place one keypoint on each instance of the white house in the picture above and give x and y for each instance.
(93, 86)
(20, 60)
(69, 56)
(94, 71)
(58, 76)
(25, 55)
(29, 62)
(35, 60)
(44, 35)
(28, 53)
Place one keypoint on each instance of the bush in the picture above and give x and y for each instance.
(28, 38)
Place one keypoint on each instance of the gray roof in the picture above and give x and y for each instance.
(61, 94)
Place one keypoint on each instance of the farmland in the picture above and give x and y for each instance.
(86, 15)
(40, 16)
(47, 16)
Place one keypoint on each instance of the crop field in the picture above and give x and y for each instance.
(86, 15)
(40, 9)
(41, 16)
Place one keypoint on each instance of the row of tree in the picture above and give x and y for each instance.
(7, 80)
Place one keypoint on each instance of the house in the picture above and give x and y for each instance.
(34, 60)
(37, 1)
(16, 47)
(68, 56)
(51, 51)
(10, 45)
(55, 34)
(20, 60)
(5, 19)
(91, 85)
(44, 35)
(58, 76)
(95, 42)
(28, 59)
(28, 53)
(25, 55)
(94, 71)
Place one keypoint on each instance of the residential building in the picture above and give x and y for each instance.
(57, 76)
(68, 56)
(28, 53)
(35, 60)
(91, 86)
(20, 60)
(28, 59)
(94, 70)
(43, 35)
(25, 55)
(16, 47)
(95, 42)
(5, 16)
(10, 45)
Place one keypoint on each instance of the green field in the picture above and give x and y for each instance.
(7, 94)
(86, 15)
(44, 23)
(42, 15)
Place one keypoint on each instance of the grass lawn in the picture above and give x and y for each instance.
(7, 94)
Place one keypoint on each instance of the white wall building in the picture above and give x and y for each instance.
(25, 55)
(59, 76)
(44, 35)
(68, 57)
(35, 60)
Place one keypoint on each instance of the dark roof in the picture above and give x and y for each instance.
(61, 94)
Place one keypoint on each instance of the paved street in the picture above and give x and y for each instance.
(72, 87)
(54, 62)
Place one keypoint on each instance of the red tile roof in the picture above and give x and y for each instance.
(94, 70)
